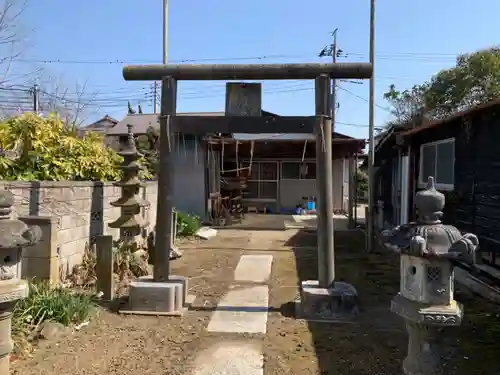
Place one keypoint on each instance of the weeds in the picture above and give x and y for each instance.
(187, 224)
(45, 303)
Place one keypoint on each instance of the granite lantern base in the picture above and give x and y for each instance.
(10, 292)
(336, 304)
(426, 329)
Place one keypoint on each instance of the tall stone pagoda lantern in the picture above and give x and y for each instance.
(425, 300)
(131, 222)
(14, 236)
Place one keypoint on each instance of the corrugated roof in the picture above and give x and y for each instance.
(141, 122)
(466, 112)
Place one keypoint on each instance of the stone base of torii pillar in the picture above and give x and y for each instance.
(336, 304)
(165, 298)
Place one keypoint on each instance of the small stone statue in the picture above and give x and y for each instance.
(425, 299)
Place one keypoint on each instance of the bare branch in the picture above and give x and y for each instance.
(12, 40)
(73, 107)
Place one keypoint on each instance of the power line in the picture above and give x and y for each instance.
(363, 98)
(344, 54)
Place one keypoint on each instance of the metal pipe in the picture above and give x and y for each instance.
(325, 229)
(165, 32)
(208, 72)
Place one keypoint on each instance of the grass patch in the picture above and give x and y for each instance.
(44, 303)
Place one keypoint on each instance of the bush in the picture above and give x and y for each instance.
(34, 148)
(187, 224)
(53, 304)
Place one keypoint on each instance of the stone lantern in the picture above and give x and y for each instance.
(425, 300)
(14, 236)
(131, 223)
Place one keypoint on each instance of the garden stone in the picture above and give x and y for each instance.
(52, 331)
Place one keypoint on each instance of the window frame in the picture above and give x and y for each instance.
(299, 163)
(440, 186)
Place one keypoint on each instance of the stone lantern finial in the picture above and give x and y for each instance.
(429, 204)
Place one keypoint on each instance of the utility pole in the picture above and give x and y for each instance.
(331, 50)
(371, 145)
(155, 95)
(165, 31)
(334, 81)
(36, 100)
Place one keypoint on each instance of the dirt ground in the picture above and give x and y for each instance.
(376, 344)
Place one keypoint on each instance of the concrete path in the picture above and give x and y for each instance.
(243, 310)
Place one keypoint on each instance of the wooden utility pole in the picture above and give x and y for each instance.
(371, 146)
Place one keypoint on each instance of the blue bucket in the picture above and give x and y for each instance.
(311, 205)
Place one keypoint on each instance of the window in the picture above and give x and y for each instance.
(437, 159)
(262, 183)
(298, 171)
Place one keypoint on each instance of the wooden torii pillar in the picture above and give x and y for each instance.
(316, 292)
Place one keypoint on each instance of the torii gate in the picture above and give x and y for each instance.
(172, 300)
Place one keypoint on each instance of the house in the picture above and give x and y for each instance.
(102, 126)
(278, 162)
(460, 153)
(283, 168)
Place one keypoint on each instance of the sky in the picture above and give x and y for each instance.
(78, 43)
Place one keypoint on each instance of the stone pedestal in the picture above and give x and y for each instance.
(147, 297)
(336, 304)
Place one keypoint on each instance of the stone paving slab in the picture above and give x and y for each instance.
(243, 310)
(254, 268)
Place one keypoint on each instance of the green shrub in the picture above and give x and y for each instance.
(187, 224)
(34, 148)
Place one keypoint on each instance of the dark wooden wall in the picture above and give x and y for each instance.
(474, 204)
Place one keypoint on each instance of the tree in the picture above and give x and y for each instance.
(148, 145)
(130, 109)
(407, 106)
(473, 80)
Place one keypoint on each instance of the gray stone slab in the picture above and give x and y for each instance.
(242, 311)
(254, 268)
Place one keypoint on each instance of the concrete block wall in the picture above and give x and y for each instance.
(70, 214)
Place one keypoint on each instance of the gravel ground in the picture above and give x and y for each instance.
(376, 344)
